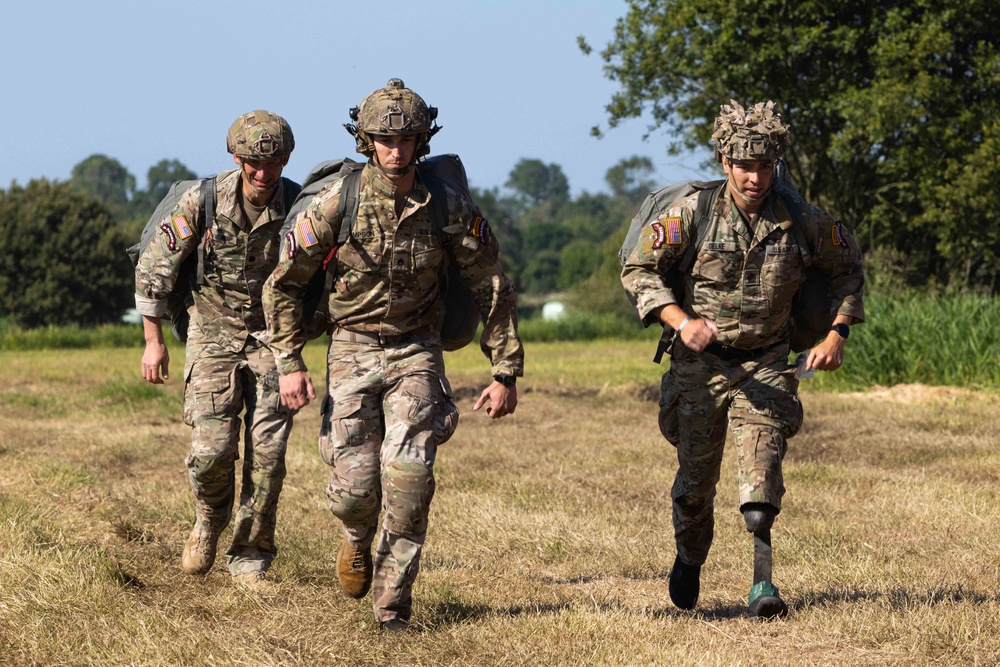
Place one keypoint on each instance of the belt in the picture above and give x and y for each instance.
(382, 340)
(726, 353)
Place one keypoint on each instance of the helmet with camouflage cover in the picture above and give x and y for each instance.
(756, 133)
(260, 135)
(393, 110)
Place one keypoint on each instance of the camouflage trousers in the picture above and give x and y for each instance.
(220, 385)
(699, 397)
(386, 411)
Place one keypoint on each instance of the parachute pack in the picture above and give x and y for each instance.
(811, 314)
(192, 272)
(461, 312)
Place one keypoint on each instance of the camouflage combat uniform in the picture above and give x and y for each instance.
(388, 405)
(229, 365)
(744, 280)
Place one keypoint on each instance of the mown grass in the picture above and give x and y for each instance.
(549, 541)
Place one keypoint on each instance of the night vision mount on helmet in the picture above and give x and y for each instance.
(393, 110)
(260, 135)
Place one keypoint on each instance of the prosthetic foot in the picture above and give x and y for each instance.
(764, 601)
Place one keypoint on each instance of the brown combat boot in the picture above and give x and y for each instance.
(199, 550)
(354, 569)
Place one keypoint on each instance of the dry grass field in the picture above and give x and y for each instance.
(550, 537)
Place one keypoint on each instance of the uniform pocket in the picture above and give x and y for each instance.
(668, 420)
(782, 274)
(209, 395)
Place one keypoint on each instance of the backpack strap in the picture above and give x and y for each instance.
(707, 199)
(347, 212)
(795, 213)
(207, 197)
(439, 202)
(292, 190)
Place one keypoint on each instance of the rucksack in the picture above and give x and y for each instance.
(811, 315)
(192, 271)
(461, 312)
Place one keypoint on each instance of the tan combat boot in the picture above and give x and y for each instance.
(354, 569)
(199, 550)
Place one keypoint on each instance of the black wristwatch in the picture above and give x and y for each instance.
(506, 380)
(842, 329)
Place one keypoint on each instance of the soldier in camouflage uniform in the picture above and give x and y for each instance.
(729, 358)
(388, 405)
(229, 365)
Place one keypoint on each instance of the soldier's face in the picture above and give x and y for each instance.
(395, 152)
(750, 178)
(259, 178)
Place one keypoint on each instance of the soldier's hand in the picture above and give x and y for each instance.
(828, 355)
(699, 334)
(502, 400)
(155, 362)
(296, 390)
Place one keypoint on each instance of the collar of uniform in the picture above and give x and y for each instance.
(226, 204)
(383, 186)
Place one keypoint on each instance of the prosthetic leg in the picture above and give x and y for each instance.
(763, 599)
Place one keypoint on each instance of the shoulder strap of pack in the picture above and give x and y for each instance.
(702, 213)
(796, 215)
(347, 213)
(439, 201)
(348, 210)
(207, 196)
(292, 190)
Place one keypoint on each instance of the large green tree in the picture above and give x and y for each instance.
(893, 105)
(62, 259)
(109, 181)
(159, 178)
(535, 183)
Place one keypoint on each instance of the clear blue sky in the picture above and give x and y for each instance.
(145, 80)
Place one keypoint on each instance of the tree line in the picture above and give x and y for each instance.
(62, 244)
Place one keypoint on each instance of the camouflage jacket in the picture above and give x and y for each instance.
(743, 279)
(237, 261)
(388, 273)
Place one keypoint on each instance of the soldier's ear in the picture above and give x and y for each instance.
(236, 159)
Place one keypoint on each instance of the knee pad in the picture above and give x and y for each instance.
(759, 517)
(353, 504)
(408, 489)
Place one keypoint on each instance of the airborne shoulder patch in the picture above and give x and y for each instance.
(838, 235)
(307, 235)
(480, 228)
(182, 226)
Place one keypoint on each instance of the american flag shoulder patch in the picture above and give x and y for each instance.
(673, 232)
(307, 235)
(182, 226)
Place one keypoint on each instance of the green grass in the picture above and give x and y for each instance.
(14, 338)
(908, 338)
